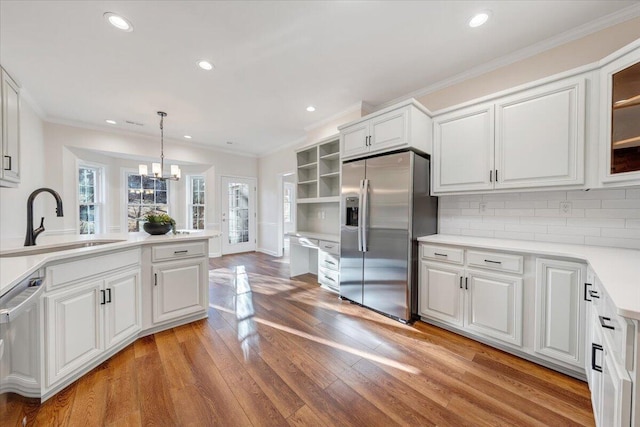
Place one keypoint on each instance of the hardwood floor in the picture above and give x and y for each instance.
(276, 351)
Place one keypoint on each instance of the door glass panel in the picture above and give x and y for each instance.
(625, 120)
(238, 212)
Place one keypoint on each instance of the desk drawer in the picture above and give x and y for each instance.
(331, 247)
(496, 261)
(329, 278)
(178, 251)
(304, 241)
(443, 254)
(328, 260)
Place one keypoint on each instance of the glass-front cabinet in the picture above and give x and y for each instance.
(620, 126)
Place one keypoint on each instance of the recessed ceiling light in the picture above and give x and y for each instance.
(188, 136)
(111, 122)
(120, 22)
(311, 108)
(205, 65)
(479, 19)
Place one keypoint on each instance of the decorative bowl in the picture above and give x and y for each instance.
(156, 229)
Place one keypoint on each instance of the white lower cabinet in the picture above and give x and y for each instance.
(179, 289)
(483, 303)
(84, 320)
(559, 330)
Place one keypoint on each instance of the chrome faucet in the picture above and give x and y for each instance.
(30, 239)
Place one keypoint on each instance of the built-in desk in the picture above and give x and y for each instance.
(316, 253)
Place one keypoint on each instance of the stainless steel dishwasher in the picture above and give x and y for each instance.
(20, 337)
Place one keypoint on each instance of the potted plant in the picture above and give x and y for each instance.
(159, 223)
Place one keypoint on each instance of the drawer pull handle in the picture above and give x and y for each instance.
(493, 262)
(594, 294)
(466, 283)
(109, 297)
(437, 254)
(10, 167)
(586, 291)
(181, 252)
(460, 282)
(103, 300)
(603, 320)
(329, 278)
(328, 246)
(594, 348)
(155, 279)
(330, 262)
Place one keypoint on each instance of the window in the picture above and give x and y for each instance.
(196, 202)
(144, 195)
(89, 206)
(238, 212)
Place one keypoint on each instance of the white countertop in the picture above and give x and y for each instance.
(617, 269)
(15, 268)
(320, 236)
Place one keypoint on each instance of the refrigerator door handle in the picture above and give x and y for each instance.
(360, 203)
(365, 215)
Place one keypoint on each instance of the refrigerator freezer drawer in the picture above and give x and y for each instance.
(496, 261)
(443, 254)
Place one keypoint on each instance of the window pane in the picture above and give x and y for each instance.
(135, 197)
(161, 197)
(147, 197)
(148, 183)
(161, 185)
(134, 181)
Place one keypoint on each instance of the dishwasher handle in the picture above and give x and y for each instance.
(12, 309)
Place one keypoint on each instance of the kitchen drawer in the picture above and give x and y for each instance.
(331, 247)
(329, 278)
(304, 241)
(619, 330)
(69, 272)
(496, 261)
(328, 260)
(443, 254)
(178, 251)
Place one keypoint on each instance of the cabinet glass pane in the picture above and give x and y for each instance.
(625, 120)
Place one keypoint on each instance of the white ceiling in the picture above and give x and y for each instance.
(271, 59)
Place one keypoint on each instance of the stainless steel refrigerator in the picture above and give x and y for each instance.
(385, 206)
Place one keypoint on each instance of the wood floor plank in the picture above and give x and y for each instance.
(277, 351)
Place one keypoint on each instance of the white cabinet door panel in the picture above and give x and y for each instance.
(389, 130)
(177, 289)
(10, 130)
(353, 140)
(440, 295)
(463, 150)
(494, 306)
(559, 310)
(540, 137)
(122, 317)
(616, 393)
(74, 323)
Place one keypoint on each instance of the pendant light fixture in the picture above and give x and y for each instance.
(157, 169)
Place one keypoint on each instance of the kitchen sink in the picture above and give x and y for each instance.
(35, 250)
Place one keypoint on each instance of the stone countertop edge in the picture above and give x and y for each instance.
(313, 235)
(16, 268)
(618, 269)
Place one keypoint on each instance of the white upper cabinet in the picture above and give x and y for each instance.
(9, 131)
(529, 139)
(540, 136)
(463, 150)
(404, 125)
(620, 117)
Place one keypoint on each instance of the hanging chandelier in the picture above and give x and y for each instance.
(157, 169)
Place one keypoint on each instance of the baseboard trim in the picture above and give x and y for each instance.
(267, 251)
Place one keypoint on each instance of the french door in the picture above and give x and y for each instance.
(238, 214)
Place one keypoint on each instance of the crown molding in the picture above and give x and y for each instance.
(576, 33)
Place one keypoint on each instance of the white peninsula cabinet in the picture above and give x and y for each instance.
(404, 125)
(531, 138)
(178, 285)
(91, 306)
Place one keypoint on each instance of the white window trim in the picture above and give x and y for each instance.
(100, 196)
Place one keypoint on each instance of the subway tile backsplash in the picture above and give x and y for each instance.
(605, 217)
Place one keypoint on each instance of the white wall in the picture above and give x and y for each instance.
(67, 145)
(13, 201)
(609, 217)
